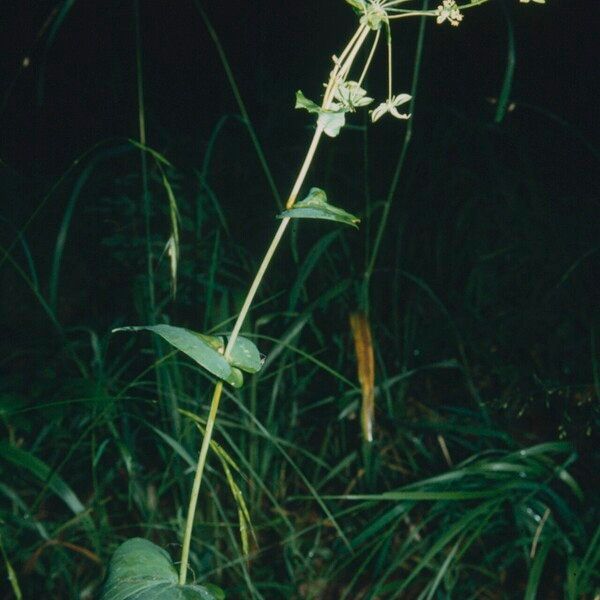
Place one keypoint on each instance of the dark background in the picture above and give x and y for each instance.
(81, 89)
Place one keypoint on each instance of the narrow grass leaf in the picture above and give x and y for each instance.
(11, 574)
(26, 460)
(535, 574)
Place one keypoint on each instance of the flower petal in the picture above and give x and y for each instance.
(394, 112)
(401, 99)
(379, 112)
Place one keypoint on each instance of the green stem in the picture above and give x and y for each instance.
(337, 75)
(214, 405)
(369, 59)
(189, 524)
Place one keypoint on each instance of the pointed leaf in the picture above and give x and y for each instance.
(315, 206)
(303, 102)
(198, 347)
(359, 5)
(140, 570)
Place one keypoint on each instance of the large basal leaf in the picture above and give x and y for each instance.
(140, 570)
(207, 351)
(315, 206)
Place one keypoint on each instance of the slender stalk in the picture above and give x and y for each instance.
(333, 82)
(370, 58)
(189, 525)
(389, 49)
(336, 75)
(255, 284)
(214, 405)
(346, 68)
(340, 71)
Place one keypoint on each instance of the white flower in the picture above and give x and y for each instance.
(449, 11)
(538, 1)
(390, 106)
(350, 96)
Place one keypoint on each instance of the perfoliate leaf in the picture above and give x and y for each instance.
(331, 122)
(140, 570)
(207, 351)
(315, 206)
(244, 355)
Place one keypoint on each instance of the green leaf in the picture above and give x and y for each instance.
(315, 206)
(207, 351)
(303, 102)
(244, 355)
(140, 570)
(38, 468)
(359, 5)
(331, 120)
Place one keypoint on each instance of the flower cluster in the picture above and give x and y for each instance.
(349, 96)
(449, 11)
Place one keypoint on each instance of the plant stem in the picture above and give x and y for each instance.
(214, 405)
(189, 525)
(339, 72)
(369, 59)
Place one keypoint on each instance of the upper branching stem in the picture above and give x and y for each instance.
(369, 58)
(337, 75)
